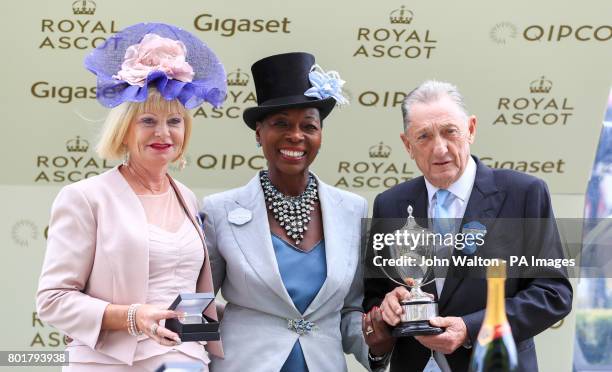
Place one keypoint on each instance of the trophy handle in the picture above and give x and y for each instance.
(428, 277)
(393, 279)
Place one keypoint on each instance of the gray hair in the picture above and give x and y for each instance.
(430, 91)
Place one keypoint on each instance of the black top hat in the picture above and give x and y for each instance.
(280, 83)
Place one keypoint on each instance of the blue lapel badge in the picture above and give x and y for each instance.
(473, 236)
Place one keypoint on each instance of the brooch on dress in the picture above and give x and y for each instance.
(301, 326)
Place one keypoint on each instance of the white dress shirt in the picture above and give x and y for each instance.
(460, 193)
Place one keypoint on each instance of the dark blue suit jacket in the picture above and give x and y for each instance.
(532, 305)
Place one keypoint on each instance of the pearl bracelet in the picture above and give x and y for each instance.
(131, 320)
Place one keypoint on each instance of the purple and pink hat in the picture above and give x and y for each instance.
(173, 60)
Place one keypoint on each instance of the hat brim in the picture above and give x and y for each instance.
(254, 114)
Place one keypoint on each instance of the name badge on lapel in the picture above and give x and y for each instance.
(473, 236)
(239, 216)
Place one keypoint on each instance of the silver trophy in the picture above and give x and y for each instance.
(421, 307)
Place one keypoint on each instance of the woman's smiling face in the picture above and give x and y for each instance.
(290, 139)
(155, 137)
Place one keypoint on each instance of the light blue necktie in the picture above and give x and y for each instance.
(443, 222)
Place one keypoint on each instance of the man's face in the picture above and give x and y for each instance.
(438, 138)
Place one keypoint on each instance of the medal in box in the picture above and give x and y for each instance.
(193, 325)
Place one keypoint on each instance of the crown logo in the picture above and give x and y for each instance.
(87, 7)
(237, 78)
(77, 145)
(540, 86)
(380, 151)
(401, 16)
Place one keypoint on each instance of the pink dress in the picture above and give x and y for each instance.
(175, 260)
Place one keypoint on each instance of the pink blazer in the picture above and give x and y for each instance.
(97, 254)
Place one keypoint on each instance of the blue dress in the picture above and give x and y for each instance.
(303, 274)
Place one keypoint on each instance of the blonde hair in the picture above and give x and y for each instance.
(111, 147)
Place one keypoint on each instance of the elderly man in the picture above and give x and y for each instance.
(438, 133)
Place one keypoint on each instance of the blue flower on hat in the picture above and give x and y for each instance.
(325, 85)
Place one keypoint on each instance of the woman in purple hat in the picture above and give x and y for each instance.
(285, 247)
(124, 244)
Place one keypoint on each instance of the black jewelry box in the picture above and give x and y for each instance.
(194, 325)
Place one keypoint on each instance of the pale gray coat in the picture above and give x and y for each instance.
(254, 328)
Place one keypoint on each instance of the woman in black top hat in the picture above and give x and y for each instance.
(285, 247)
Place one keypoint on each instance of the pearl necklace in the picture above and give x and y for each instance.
(291, 212)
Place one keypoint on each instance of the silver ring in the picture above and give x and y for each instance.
(154, 329)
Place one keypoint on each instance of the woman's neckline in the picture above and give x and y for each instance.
(298, 248)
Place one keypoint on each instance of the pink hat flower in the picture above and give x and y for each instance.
(155, 53)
